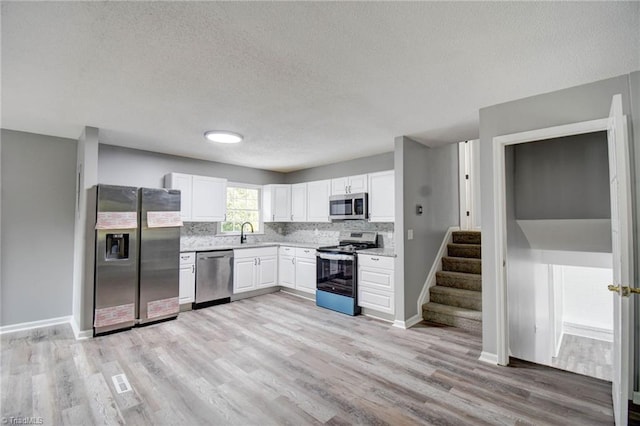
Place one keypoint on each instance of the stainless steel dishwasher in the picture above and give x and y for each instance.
(214, 278)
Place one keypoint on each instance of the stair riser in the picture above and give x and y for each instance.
(474, 303)
(462, 265)
(467, 324)
(466, 237)
(470, 251)
(474, 284)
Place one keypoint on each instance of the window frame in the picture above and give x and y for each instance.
(219, 230)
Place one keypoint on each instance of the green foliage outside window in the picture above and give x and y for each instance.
(242, 206)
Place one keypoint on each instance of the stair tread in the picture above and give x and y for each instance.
(463, 245)
(458, 292)
(470, 259)
(453, 310)
(462, 275)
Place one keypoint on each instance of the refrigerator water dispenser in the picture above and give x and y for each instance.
(117, 246)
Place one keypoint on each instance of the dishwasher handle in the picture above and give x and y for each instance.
(215, 254)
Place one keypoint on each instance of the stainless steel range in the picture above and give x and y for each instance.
(337, 271)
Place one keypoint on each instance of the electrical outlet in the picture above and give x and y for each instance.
(316, 232)
(410, 234)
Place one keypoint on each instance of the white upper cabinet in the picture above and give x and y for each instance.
(349, 185)
(203, 198)
(209, 199)
(299, 202)
(318, 201)
(183, 183)
(276, 203)
(382, 196)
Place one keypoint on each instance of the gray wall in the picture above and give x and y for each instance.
(429, 178)
(562, 178)
(132, 167)
(581, 103)
(375, 163)
(38, 202)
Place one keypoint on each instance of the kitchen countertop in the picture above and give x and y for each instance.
(250, 245)
(380, 251)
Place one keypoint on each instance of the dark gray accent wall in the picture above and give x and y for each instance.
(587, 102)
(132, 167)
(429, 178)
(38, 204)
(562, 178)
(375, 163)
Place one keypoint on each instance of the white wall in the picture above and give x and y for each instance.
(587, 302)
(37, 226)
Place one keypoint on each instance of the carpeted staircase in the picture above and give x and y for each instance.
(456, 299)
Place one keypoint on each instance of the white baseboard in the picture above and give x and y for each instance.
(587, 331)
(636, 398)
(34, 324)
(489, 358)
(80, 334)
(408, 323)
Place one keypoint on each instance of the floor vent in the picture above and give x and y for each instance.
(121, 383)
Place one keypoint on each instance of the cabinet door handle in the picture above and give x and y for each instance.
(259, 261)
(193, 268)
(273, 218)
(255, 262)
(225, 217)
(291, 218)
(293, 260)
(375, 259)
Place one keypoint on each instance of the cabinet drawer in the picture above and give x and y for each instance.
(383, 262)
(287, 251)
(376, 278)
(255, 252)
(306, 253)
(381, 301)
(187, 258)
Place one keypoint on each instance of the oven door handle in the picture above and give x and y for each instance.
(333, 256)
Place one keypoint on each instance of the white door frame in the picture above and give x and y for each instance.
(465, 190)
(499, 145)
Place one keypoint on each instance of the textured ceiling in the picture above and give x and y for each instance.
(307, 83)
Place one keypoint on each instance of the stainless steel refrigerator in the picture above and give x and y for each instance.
(159, 257)
(116, 265)
(137, 263)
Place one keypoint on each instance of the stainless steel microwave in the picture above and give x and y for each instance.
(349, 206)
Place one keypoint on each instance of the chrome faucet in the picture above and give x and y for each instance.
(243, 238)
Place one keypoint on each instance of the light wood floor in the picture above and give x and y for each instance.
(586, 356)
(278, 359)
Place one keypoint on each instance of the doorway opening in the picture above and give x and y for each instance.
(558, 250)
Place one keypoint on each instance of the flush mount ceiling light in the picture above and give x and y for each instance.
(223, 136)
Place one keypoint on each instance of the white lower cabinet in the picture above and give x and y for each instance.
(287, 267)
(376, 283)
(254, 268)
(306, 270)
(297, 268)
(187, 286)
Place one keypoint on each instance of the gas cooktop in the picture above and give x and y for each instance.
(351, 241)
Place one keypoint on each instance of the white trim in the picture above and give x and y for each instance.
(435, 267)
(34, 324)
(80, 334)
(488, 357)
(220, 232)
(589, 331)
(410, 322)
(636, 398)
(463, 184)
(500, 267)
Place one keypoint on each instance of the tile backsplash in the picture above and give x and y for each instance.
(203, 234)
